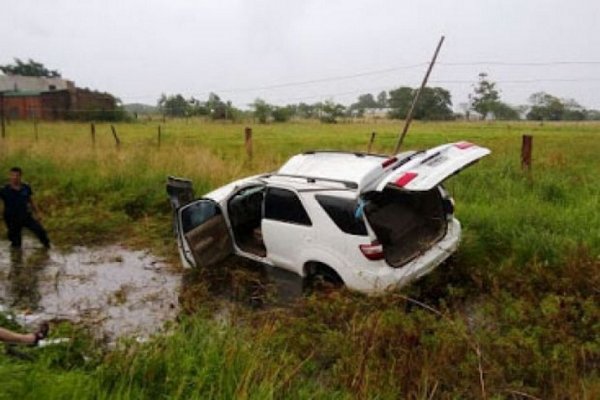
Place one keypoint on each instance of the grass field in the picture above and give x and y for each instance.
(515, 315)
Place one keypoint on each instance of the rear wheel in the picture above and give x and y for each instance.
(321, 277)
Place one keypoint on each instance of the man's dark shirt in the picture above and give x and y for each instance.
(16, 202)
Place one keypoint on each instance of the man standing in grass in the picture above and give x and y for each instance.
(18, 207)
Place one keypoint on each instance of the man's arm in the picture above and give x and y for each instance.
(35, 209)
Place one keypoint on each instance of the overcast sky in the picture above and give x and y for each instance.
(138, 49)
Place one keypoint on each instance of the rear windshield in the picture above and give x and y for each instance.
(342, 212)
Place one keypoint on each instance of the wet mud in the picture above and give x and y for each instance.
(113, 291)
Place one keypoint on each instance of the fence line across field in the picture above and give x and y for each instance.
(247, 143)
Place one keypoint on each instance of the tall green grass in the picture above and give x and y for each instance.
(515, 314)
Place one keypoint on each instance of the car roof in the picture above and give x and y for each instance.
(357, 168)
(320, 170)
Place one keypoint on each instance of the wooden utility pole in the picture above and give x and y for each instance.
(411, 111)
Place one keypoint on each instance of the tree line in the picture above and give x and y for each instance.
(435, 104)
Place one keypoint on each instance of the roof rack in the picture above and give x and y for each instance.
(313, 179)
(356, 153)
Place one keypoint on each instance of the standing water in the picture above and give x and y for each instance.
(115, 291)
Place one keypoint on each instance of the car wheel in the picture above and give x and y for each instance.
(321, 277)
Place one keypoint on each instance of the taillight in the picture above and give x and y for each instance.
(405, 178)
(463, 145)
(373, 251)
(389, 162)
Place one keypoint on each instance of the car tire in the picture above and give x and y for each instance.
(321, 277)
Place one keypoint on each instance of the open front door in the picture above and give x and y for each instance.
(428, 169)
(203, 233)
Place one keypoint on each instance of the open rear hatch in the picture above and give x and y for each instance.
(427, 169)
(407, 210)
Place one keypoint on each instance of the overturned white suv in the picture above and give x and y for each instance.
(371, 222)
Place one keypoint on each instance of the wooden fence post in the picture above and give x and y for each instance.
(248, 141)
(114, 132)
(35, 128)
(159, 135)
(526, 149)
(93, 133)
(373, 134)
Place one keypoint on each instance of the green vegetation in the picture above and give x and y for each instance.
(434, 104)
(29, 68)
(515, 315)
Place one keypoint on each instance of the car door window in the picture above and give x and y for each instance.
(285, 206)
(198, 213)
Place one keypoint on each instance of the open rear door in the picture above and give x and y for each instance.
(203, 233)
(427, 169)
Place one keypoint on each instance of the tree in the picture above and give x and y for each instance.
(282, 114)
(546, 107)
(330, 111)
(365, 101)
(399, 101)
(574, 111)
(174, 106)
(29, 68)
(505, 112)
(434, 103)
(198, 107)
(593, 115)
(219, 109)
(262, 110)
(486, 96)
(306, 110)
(382, 99)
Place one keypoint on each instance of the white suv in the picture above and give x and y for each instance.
(371, 222)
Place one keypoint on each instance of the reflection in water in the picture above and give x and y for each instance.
(23, 277)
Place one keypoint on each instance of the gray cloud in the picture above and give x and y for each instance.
(137, 49)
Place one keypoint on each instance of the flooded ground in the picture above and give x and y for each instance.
(113, 290)
(118, 292)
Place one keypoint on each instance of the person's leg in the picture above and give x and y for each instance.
(38, 230)
(17, 338)
(14, 228)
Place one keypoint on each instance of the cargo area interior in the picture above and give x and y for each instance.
(245, 215)
(405, 223)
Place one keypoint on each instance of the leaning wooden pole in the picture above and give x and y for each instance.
(411, 111)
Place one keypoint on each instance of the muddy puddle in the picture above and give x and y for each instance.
(114, 291)
(117, 292)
